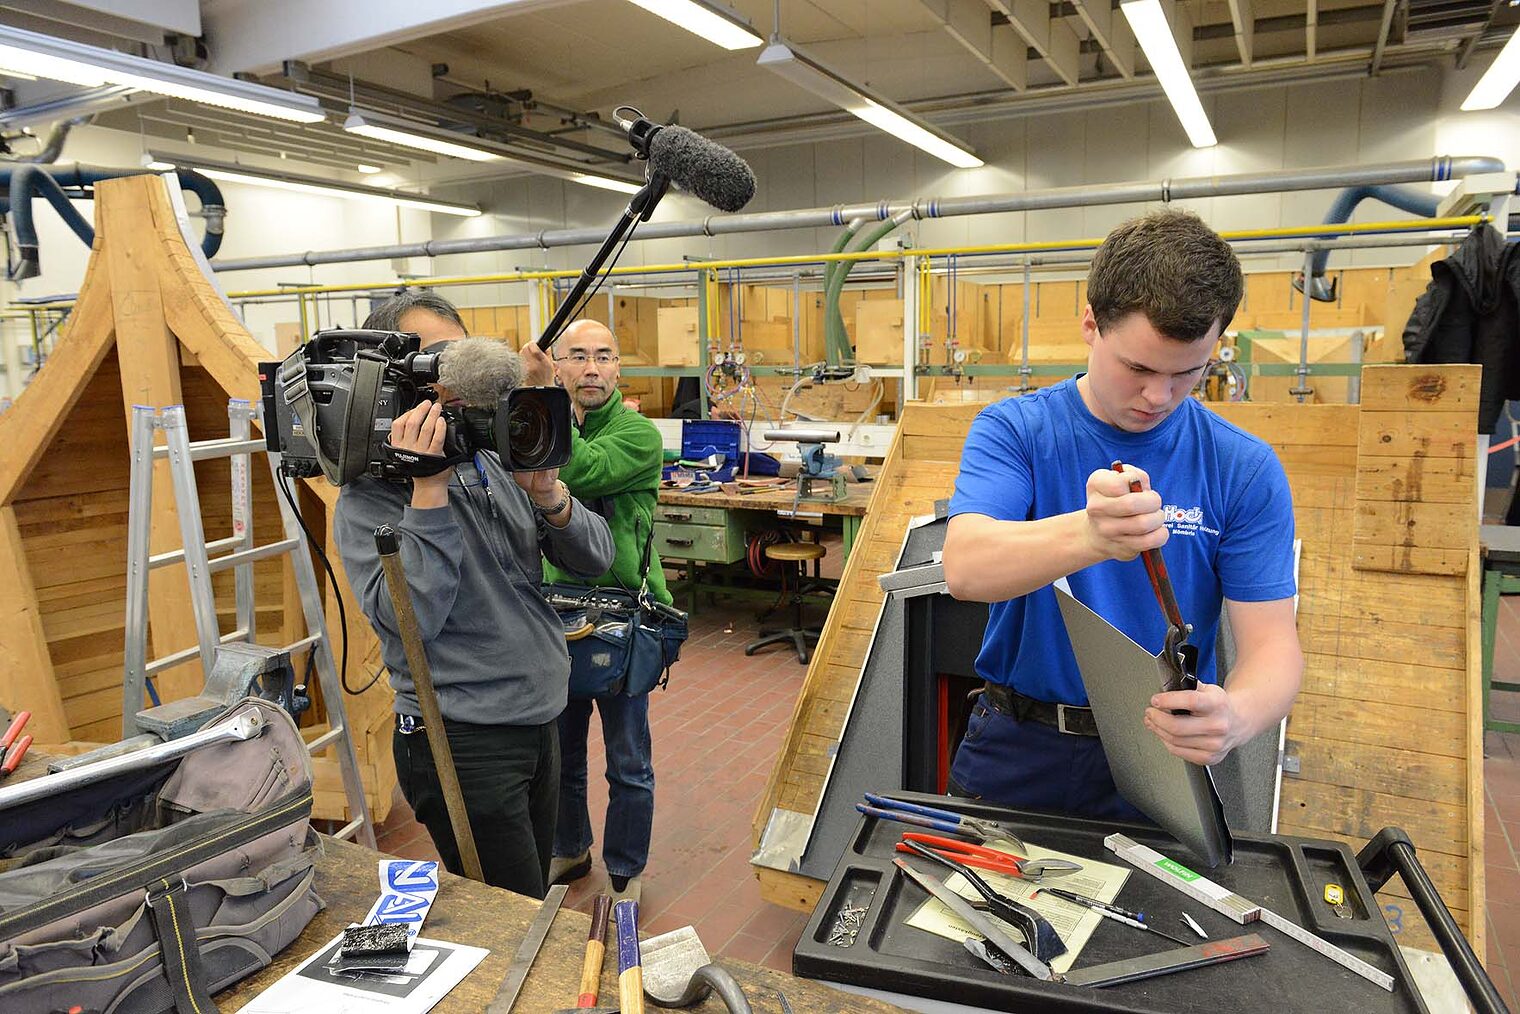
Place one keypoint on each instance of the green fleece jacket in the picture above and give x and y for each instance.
(615, 456)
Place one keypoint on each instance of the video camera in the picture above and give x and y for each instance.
(330, 404)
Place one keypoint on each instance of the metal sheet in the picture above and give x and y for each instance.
(1121, 677)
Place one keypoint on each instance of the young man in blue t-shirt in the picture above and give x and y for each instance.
(1036, 500)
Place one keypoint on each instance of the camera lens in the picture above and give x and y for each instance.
(531, 429)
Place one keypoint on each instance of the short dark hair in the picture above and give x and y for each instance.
(1171, 267)
(387, 316)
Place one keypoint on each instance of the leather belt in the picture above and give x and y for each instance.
(1070, 719)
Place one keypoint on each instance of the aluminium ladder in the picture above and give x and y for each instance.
(200, 564)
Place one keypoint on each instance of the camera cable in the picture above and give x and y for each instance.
(311, 540)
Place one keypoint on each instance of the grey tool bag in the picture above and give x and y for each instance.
(151, 890)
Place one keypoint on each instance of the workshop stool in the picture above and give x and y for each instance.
(794, 557)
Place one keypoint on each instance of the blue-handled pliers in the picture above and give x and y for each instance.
(936, 819)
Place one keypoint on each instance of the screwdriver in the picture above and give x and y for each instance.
(1107, 911)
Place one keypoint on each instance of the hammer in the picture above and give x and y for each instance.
(591, 968)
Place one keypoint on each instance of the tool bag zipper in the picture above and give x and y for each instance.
(139, 875)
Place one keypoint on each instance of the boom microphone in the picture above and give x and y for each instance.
(702, 168)
(478, 371)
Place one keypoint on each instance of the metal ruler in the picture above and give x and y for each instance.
(1228, 903)
(522, 961)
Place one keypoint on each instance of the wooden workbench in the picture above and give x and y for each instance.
(471, 913)
(857, 499)
(849, 511)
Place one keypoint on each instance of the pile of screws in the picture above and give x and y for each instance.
(846, 926)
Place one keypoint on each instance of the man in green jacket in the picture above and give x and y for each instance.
(614, 468)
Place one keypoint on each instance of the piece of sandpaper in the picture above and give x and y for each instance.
(1121, 677)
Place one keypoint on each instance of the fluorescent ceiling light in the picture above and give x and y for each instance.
(1499, 80)
(479, 149)
(368, 125)
(367, 169)
(1154, 33)
(91, 66)
(253, 176)
(713, 22)
(794, 65)
(606, 183)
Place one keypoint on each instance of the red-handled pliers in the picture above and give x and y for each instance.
(984, 858)
(13, 745)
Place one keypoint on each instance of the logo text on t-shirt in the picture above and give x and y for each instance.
(1185, 520)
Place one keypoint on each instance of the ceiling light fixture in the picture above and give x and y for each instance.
(791, 63)
(268, 178)
(606, 183)
(479, 149)
(92, 66)
(1499, 80)
(1154, 33)
(409, 136)
(712, 21)
(367, 169)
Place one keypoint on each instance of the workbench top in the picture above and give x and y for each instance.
(467, 912)
(857, 499)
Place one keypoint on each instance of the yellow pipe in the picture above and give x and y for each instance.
(1288, 232)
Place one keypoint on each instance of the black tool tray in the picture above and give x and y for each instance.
(1287, 875)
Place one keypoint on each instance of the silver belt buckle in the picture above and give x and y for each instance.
(1061, 721)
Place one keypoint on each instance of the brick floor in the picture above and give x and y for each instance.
(716, 729)
(719, 725)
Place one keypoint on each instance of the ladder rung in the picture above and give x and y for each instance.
(303, 643)
(226, 448)
(256, 553)
(348, 831)
(178, 555)
(321, 742)
(189, 654)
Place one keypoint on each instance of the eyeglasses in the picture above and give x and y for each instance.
(581, 359)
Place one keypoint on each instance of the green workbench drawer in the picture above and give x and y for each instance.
(721, 543)
(691, 515)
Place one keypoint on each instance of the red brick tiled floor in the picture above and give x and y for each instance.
(719, 725)
(717, 729)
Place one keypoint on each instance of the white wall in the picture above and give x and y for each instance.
(1401, 115)
(259, 221)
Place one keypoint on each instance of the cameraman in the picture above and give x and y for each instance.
(471, 537)
(615, 462)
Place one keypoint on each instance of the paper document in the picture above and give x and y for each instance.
(1075, 923)
(433, 969)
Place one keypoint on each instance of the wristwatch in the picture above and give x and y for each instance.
(564, 501)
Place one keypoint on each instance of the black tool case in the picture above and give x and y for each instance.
(1287, 875)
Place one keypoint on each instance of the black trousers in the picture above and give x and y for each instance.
(509, 776)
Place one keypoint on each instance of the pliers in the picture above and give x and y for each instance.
(13, 745)
(936, 819)
(1042, 939)
(1180, 658)
(988, 859)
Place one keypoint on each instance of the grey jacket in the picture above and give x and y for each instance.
(495, 647)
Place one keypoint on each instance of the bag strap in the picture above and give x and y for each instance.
(178, 949)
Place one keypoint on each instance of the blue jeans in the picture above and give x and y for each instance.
(1035, 767)
(630, 782)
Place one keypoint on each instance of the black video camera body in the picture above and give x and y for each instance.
(328, 409)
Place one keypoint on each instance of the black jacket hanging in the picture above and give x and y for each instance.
(1470, 313)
